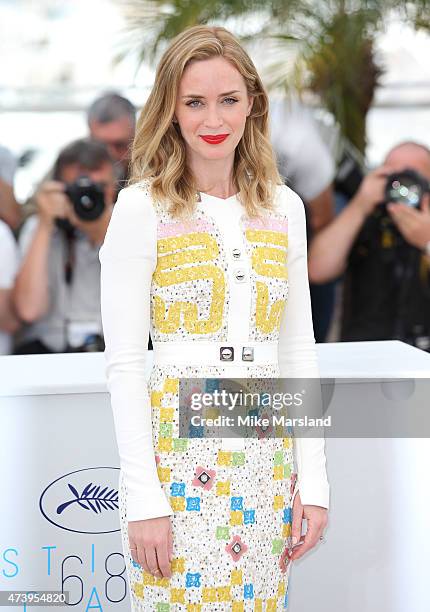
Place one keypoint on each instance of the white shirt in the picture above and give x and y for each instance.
(128, 259)
(304, 159)
(9, 262)
(8, 165)
(70, 306)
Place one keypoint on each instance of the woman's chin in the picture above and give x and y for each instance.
(215, 152)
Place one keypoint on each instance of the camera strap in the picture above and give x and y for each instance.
(70, 257)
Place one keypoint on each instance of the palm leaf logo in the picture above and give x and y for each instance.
(92, 498)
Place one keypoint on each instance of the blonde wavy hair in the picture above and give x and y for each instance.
(158, 150)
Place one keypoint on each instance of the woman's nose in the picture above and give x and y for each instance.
(213, 118)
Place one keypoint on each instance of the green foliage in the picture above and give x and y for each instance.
(332, 43)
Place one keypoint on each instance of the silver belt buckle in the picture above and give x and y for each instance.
(247, 353)
(226, 353)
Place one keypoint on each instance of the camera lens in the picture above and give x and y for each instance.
(406, 187)
(405, 191)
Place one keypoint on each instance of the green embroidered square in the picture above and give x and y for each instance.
(279, 457)
(180, 444)
(166, 430)
(287, 470)
(222, 533)
(238, 458)
(277, 546)
(163, 607)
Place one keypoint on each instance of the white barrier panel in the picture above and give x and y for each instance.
(59, 517)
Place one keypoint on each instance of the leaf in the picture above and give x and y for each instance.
(61, 507)
(91, 506)
(87, 488)
(73, 490)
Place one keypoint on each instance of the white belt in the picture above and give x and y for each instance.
(204, 352)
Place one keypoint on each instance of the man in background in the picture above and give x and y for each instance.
(384, 256)
(9, 219)
(57, 288)
(10, 210)
(111, 119)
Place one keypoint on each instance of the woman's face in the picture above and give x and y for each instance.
(212, 101)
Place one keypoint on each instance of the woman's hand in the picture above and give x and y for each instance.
(151, 545)
(317, 518)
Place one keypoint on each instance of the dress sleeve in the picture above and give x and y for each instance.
(297, 352)
(128, 258)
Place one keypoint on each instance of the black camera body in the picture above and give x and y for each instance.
(87, 197)
(407, 187)
(88, 202)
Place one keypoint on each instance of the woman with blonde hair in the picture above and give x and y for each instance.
(206, 248)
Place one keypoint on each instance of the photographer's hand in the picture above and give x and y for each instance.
(51, 202)
(372, 190)
(412, 223)
(326, 263)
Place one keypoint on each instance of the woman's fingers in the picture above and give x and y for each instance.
(170, 542)
(133, 551)
(152, 562)
(285, 559)
(296, 526)
(162, 552)
(316, 518)
(153, 540)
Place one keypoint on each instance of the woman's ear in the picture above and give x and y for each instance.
(250, 104)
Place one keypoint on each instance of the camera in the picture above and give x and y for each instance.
(88, 202)
(407, 187)
(87, 197)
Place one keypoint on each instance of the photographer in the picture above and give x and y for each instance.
(9, 323)
(382, 247)
(57, 288)
(10, 210)
(111, 119)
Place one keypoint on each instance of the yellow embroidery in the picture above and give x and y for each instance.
(178, 267)
(236, 517)
(267, 318)
(236, 576)
(278, 502)
(223, 593)
(270, 262)
(208, 594)
(138, 589)
(177, 595)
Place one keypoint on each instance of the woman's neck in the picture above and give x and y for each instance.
(214, 177)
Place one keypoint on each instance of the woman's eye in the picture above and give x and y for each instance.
(194, 103)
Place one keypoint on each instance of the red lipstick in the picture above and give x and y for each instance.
(214, 139)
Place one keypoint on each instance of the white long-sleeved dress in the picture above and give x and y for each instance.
(219, 281)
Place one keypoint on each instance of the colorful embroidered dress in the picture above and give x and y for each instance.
(223, 295)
